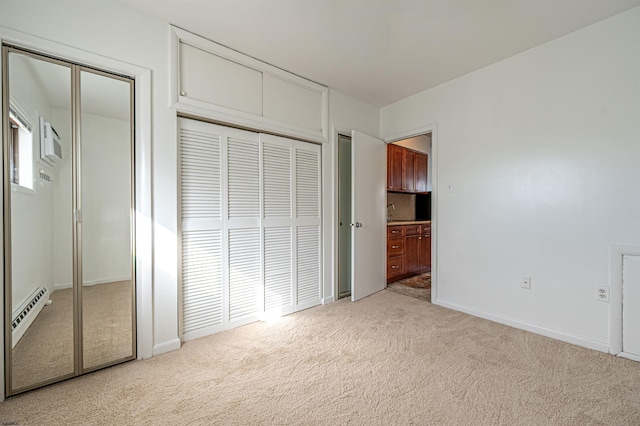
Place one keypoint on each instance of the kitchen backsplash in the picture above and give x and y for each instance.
(405, 206)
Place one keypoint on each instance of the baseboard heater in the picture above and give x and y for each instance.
(27, 313)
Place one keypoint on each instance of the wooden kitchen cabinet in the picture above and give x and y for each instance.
(395, 252)
(425, 249)
(406, 170)
(408, 251)
(409, 171)
(395, 268)
(412, 254)
(395, 159)
(421, 165)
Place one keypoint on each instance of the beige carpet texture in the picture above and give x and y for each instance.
(46, 350)
(388, 359)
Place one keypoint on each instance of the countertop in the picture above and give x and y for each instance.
(408, 222)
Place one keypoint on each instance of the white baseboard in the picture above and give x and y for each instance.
(107, 280)
(327, 300)
(62, 286)
(168, 346)
(94, 282)
(522, 325)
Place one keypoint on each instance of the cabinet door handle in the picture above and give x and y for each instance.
(395, 232)
(395, 247)
(419, 238)
(395, 267)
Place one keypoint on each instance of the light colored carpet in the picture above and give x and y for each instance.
(46, 349)
(385, 360)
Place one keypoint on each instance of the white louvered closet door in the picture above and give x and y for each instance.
(243, 220)
(200, 165)
(308, 289)
(250, 226)
(277, 165)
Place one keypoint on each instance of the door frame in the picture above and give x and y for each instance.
(142, 171)
(616, 254)
(418, 131)
(335, 229)
(337, 210)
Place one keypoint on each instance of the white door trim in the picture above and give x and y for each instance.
(616, 254)
(433, 129)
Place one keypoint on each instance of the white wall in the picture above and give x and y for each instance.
(62, 203)
(106, 202)
(544, 151)
(107, 32)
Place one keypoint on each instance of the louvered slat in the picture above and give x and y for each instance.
(201, 279)
(244, 178)
(244, 272)
(278, 288)
(307, 183)
(200, 174)
(308, 263)
(276, 180)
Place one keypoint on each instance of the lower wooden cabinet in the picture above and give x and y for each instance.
(412, 254)
(395, 267)
(408, 251)
(425, 249)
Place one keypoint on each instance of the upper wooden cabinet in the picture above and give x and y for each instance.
(212, 81)
(409, 172)
(406, 170)
(421, 167)
(395, 168)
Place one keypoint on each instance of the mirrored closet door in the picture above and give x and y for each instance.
(68, 219)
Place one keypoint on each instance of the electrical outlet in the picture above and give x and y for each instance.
(526, 283)
(603, 293)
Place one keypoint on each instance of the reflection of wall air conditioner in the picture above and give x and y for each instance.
(50, 148)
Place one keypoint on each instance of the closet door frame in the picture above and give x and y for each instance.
(143, 179)
(76, 188)
(77, 206)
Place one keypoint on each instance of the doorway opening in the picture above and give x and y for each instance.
(409, 243)
(344, 216)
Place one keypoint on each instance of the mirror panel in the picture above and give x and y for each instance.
(106, 228)
(38, 173)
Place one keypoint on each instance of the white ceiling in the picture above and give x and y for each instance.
(381, 51)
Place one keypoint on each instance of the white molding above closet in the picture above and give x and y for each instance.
(211, 81)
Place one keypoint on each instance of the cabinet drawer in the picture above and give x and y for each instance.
(395, 231)
(395, 267)
(412, 229)
(395, 246)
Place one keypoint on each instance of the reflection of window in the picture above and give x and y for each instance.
(20, 150)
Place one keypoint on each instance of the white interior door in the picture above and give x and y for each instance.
(368, 217)
(631, 306)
